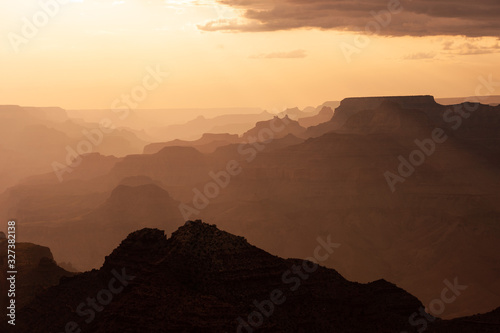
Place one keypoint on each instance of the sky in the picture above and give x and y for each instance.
(89, 54)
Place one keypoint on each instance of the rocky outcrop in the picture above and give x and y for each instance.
(275, 128)
(204, 279)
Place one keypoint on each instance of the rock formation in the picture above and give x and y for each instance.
(202, 279)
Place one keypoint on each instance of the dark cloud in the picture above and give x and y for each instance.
(296, 54)
(416, 17)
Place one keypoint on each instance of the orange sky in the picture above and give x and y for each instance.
(89, 53)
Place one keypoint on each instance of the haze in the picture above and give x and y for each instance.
(224, 150)
(223, 54)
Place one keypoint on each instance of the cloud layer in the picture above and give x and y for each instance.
(296, 54)
(413, 17)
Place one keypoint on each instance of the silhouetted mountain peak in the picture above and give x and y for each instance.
(326, 110)
(139, 248)
(195, 246)
(218, 273)
(197, 234)
(140, 239)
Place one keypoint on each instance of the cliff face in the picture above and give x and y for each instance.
(355, 104)
(351, 106)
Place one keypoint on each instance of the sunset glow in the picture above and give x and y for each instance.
(91, 51)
